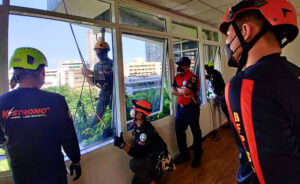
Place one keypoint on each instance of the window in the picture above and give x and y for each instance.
(184, 29)
(91, 9)
(151, 82)
(56, 41)
(135, 18)
(212, 54)
(188, 48)
(3, 161)
(210, 35)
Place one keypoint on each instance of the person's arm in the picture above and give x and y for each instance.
(88, 74)
(69, 139)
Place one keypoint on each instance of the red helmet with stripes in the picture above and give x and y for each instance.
(280, 14)
(142, 106)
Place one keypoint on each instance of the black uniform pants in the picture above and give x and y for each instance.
(188, 115)
(144, 169)
(103, 102)
(222, 103)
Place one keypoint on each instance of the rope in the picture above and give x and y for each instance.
(84, 64)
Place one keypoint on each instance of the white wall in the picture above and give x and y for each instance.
(291, 51)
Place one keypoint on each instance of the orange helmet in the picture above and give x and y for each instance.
(142, 106)
(102, 45)
(280, 14)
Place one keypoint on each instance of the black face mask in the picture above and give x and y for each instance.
(229, 54)
(179, 69)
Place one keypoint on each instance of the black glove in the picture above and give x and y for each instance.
(119, 141)
(77, 168)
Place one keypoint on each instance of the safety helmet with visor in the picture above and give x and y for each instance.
(142, 106)
(280, 16)
(102, 45)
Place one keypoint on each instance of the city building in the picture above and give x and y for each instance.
(141, 68)
(69, 74)
(154, 52)
(51, 79)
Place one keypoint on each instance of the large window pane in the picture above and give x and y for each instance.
(94, 9)
(63, 74)
(212, 54)
(188, 48)
(144, 65)
(135, 18)
(3, 161)
(184, 30)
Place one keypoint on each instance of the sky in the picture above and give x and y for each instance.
(55, 40)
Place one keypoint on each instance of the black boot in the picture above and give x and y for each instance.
(181, 159)
(196, 162)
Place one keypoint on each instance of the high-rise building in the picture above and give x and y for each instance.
(93, 59)
(154, 52)
(69, 74)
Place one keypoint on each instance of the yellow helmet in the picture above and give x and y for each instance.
(102, 45)
(27, 58)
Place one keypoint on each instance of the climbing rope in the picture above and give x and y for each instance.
(84, 64)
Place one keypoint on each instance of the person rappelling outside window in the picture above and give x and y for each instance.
(102, 77)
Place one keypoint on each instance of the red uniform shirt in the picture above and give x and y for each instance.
(187, 80)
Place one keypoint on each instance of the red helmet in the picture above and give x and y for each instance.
(142, 106)
(279, 13)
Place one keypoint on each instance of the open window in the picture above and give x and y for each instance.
(212, 54)
(145, 73)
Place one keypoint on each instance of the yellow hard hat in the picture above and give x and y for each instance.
(102, 45)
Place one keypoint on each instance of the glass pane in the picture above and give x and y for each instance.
(212, 54)
(210, 35)
(3, 161)
(1, 2)
(94, 9)
(189, 48)
(139, 19)
(184, 30)
(63, 74)
(143, 60)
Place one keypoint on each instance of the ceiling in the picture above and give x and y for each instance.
(208, 11)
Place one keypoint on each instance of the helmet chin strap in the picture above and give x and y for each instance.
(246, 45)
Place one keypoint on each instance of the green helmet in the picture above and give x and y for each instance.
(27, 58)
(209, 64)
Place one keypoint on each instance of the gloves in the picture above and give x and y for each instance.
(119, 141)
(77, 168)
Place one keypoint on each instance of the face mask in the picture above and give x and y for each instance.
(179, 69)
(229, 54)
(132, 113)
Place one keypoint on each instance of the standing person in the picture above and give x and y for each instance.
(185, 87)
(218, 85)
(36, 124)
(263, 98)
(102, 77)
(148, 145)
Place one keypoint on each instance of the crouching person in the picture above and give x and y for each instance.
(148, 145)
